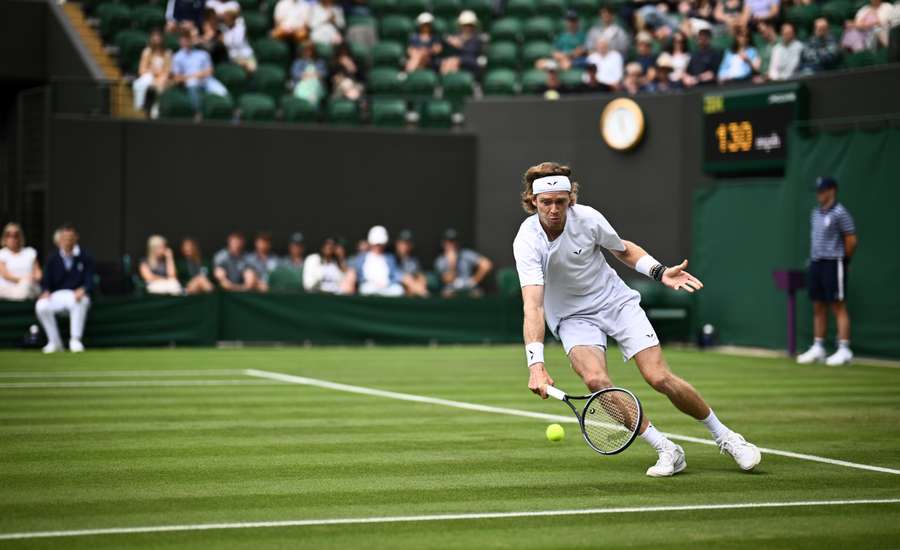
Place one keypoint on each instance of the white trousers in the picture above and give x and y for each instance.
(62, 301)
(392, 290)
(164, 286)
(139, 88)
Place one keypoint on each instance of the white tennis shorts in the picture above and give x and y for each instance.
(626, 323)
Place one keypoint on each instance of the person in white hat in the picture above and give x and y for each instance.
(374, 272)
(464, 48)
(425, 47)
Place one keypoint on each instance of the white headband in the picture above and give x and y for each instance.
(551, 183)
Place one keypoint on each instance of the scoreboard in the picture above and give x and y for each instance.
(745, 131)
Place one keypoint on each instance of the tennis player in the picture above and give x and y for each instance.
(566, 281)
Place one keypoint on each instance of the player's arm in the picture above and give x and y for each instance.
(675, 277)
(533, 332)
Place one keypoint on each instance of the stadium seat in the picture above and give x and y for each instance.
(396, 28)
(484, 9)
(257, 107)
(838, 11)
(170, 39)
(508, 282)
(436, 113)
(269, 50)
(113, 18)
(343, 111)
(500, 82)
(420, 85)
(803, 15)
(147, 17)
(412, 8)
(458, 87)
(539, 28)
(269, 80)
(383, 7)
(257, 24)
(131, 44)
(534, 51)
(233, 76)
(533, 80)
(248, 5)
(503, 54)
(384, 81)
(361, 53)
(283, 279)
(856, 60)
(521, 9)
(721, 42)
(551, 8)
(175, 103)
(585, 8)
(388, 54)
(441, 26)
(447, 8)
(571, 79)
(389, 113)
(217, 107)
(508, 28)
(295, 109)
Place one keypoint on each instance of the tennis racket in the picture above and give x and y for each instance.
(610, 419)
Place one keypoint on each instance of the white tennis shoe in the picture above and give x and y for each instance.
(815, 354)
(671, 461)
(51, 348)
(75, 346)
(746, 454)
(842, 356)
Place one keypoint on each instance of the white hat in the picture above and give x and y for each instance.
(378, 235)
(467, 17)
(424, 18)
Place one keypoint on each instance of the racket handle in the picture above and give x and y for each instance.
(556, 393)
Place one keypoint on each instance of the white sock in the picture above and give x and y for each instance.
(819, 343)
(655, 438)
(844, 344)
(715, 427)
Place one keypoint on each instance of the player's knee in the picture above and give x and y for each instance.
(597, 381)
(660, 380)
(42, 306)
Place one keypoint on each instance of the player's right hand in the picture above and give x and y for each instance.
(539, 379)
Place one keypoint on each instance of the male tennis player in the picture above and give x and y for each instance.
(565, 279)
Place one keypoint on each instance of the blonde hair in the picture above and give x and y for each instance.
(539, 171)
(9, 227)
(154, 241)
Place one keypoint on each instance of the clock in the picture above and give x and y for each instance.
(622, 124)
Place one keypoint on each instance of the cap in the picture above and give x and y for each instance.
(450, 234)
(825, 182)
(296, 238)
(377, 235)
(644, 36)
(467, 17)
(424, 18)
(571, 14)
(664, 61)
(405, 235)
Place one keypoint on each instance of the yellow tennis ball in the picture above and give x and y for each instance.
(555, 432)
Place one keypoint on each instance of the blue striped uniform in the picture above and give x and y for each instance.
(827, 268)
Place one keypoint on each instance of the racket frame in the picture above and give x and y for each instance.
(567, 399)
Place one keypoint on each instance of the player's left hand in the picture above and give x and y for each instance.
(679, 279)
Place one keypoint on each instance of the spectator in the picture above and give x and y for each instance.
(194, 272)
(680, 55)
(424, 47)
(589, 82)
(220, 7)
(326, 22)
(234, 36)
(869, 28)
(192, 67)
(552, 85)
(741, 60)
(20, 273)
(310, 87)
(230, 266)
(756, 11)
(608, 62)
(157, 268)
(464, 48)
(66, 287)
(634, 76)
(785, 55)
(411, 275)
(768, 42)
(291, 20)
(461, 270)
(210, 38)
(346, 75)
(730, 13)
(294, 259)
(607, 28)
(662, 81)
(704, 62)
(375, 272)
(153, 71)
(656, 17)
(306, 57)
(568, 48)
(645, 56)
(179, 12)
(324, 271)
(261, 260)
(359, 32)
(362, 246)
(697, 15)
(821, 52)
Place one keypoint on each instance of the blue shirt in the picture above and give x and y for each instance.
(828, 230)
(188, 62)
(733, 67)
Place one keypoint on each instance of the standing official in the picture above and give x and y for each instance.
(832, 243)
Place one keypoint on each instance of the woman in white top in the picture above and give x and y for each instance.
(20, 273)
(154, 69)
(158, 268)
(326, 21)
(324, 272)
(681, 55)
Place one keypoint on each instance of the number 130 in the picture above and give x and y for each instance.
(735, 136)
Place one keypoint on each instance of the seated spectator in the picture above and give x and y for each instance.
(680, 56)
(696, 15)
(662, 81)
(821, 52)
(658, 18)
(741, 60)
(234, 36)
(360, 32)
(291, 20)
(209, 38)
(411, 276)
(310, 87)
(157, 268)
(193, 68)
(589, 82)
(20, 273)
(568, 48)
(608, 62)
(153, 74)
(424, 49)
(193, 271)
(730, 13)
(645, 56)
(261, 260)
(375, 272)
(65, 288)
(464, 48)
(461, 270)
(785, 55)
(230, 267)
(767, 44)
(307, 57)
(362, 246)
(633, 80)
(552, 86)
(221, 7)
(704, 63)
(607, 28)
(757, 11)
(181, 12)
(324, 271)
(869, 28)
(326, 22)
(294, 259)
(346, 75)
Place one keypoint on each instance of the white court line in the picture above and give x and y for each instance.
(120, 373)
(133, 384)
(435, 517)
(517, 412)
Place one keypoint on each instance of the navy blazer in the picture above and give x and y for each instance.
(56, 277)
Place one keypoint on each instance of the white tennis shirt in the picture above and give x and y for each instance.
(576, 278)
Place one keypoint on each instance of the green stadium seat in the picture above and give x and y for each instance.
(170, 39)
(534, 51)
(147, 17)
(722, 41)
(436, 113)
(508, 28)
(362, 21)
(361, 53)
(257, 107)
(508, 282)
(217, 107)
(284, 279)
(420, 85)
(384, 81)
(389, 113)
(458, 87)
(396, 28)
(269, 50)
(248, 5)
(441, 26)
(383, 7)
(175, 103)
(571, 79)
(388, 54)
(257, 24)
(503, 54)
(838, 11)
(551, 8)
(447, 8)
(324, 50)
(412, 8)
(269, 80)
(484, 9)
(295, 109)
(113, 18)
(343, 112)
(856, 60)
(539, 28)
(521, 9)
(533, 80)
(802, 16)
(131, 44)
(585, 8)
(233, 76)
(501, 82)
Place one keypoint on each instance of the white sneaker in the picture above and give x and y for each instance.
(842, 356)
(671, 461)
(51, 348)
(75, 346)
(746, 454)
(815, 354)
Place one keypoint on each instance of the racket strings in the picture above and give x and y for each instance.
(610, 420)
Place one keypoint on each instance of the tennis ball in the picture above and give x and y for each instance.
(555, 432)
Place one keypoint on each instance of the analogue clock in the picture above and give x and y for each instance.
(622, 124)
